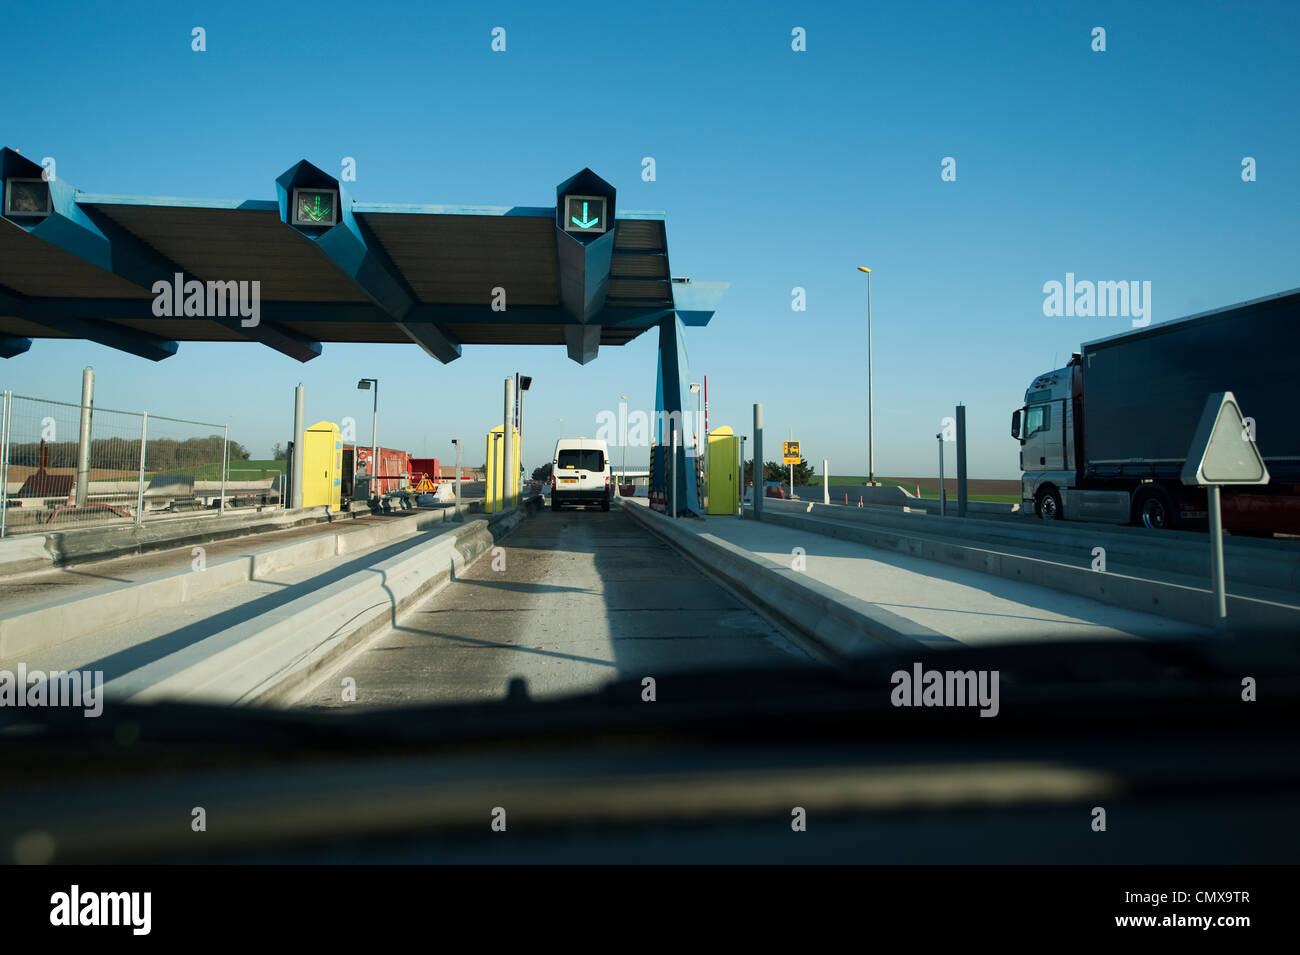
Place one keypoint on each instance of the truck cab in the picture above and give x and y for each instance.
(1045, 429)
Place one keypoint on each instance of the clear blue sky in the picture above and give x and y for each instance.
(775, 169)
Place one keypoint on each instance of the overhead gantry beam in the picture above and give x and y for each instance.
(99, 241)
(346, 243)
(695, 302)
(70, 320)
(11, 345)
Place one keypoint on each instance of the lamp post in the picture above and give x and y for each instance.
(695, 430)
(943, 495)
(695, 433)
(364, 385)
(871, 424)
(624, 437)
(522, 382)
(456, 444)
(741, 508)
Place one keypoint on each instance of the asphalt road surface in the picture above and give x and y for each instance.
(571, 601)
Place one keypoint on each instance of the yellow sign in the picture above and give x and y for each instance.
(790, 452)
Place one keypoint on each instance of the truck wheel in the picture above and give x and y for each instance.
(604, 505)
(1047, 505)
(1154, 508)
(555, 505)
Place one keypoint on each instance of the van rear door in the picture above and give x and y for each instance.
(580, 469)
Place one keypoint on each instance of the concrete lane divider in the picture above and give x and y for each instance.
(1176, 601)
(839, 623)
(67, 548)
(36, 629)
(37, 552)
(1251, 562)
(271, 657)
(20, 555)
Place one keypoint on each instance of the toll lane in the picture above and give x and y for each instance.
(572, 600)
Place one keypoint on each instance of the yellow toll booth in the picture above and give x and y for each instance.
(724, 471)
(493, 495)
(322, 465)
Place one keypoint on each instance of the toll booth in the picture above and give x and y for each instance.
(492, 498)
(322, 465)
(724, 471)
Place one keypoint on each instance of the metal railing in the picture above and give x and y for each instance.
(63, 466)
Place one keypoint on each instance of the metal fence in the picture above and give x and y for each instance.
(61, 469)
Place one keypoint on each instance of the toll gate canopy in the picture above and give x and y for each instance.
(579, 273)
(314, 265)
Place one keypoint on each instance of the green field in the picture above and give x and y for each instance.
(238, 471)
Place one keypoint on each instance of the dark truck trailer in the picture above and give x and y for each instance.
(1105, 438)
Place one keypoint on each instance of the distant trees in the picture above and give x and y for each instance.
(542, 473)
(776, 471)
(162, 454)
(279, 453)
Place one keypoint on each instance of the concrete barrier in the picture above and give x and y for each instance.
(104, 543)
(899, 499)
(48, 626)
(1252, 566)
(839, 623)
(19, 555)
(1176, 601)
(273, 656)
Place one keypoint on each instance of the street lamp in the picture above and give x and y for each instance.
(624, 437)
(695, 431)
(871, 424)
(364, 385)
(524, 383)
(741, 498)
(943, 488)
(521, 385)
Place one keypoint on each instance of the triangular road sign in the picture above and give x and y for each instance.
(1223, 448)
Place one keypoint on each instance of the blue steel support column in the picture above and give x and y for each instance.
(669, 404)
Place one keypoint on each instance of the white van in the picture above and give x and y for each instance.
(580, 473)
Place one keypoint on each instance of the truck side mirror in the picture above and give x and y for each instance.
(1015, 424)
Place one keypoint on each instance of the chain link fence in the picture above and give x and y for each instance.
(61, 470)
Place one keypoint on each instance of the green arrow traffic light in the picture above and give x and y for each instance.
(585, 223)
(316, 213)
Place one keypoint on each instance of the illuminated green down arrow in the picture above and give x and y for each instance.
(585, 223)
(317, 214)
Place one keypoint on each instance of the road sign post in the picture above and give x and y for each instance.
(1222, 452)
(790, 456)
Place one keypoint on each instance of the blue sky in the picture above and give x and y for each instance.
(776, 169)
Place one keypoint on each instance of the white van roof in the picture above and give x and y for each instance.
(583, 444)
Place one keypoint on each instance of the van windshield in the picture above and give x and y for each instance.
(581, 460)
